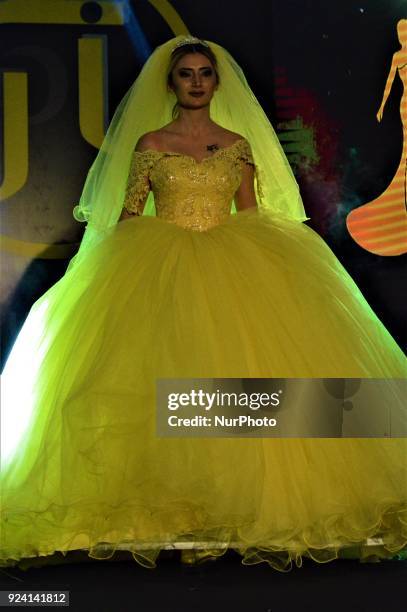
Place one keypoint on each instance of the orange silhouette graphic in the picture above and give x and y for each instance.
(381, 225)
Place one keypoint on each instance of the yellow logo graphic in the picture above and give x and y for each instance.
(92, 85)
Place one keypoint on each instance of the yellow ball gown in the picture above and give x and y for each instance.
(194, 292)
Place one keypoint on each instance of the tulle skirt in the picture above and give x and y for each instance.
(255, 296)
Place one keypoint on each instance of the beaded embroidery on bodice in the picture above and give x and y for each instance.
(193, 194)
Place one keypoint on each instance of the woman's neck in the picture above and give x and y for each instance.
(193, 122)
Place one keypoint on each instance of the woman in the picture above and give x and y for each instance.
(181, 288)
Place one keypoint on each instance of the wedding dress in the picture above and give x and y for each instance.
(194, 292)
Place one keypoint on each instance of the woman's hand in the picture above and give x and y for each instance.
(379, 115)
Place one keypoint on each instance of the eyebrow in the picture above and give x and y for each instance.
(200, 68)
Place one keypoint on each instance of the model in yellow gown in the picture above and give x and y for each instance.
(194, 292)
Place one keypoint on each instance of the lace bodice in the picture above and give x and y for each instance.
(194, 194)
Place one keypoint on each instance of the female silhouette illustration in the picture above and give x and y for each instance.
(381, 225)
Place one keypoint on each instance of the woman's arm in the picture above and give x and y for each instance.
(245, 196)
(388, 86)
(138, 184)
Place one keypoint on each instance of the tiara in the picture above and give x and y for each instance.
(190, 40)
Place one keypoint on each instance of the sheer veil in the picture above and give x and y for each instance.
(148, 106)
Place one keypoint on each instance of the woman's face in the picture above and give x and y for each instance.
(193, 80)
(402, 31)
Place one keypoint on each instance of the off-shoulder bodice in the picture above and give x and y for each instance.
(194, 194)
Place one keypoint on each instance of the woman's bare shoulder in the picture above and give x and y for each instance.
(232, 137)
(156, 140)
(147, 142)
(226, 137)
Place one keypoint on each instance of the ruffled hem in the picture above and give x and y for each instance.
(382, 536)
(192, 555)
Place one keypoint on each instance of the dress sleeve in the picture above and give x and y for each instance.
(244, 152)
(138, 182)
